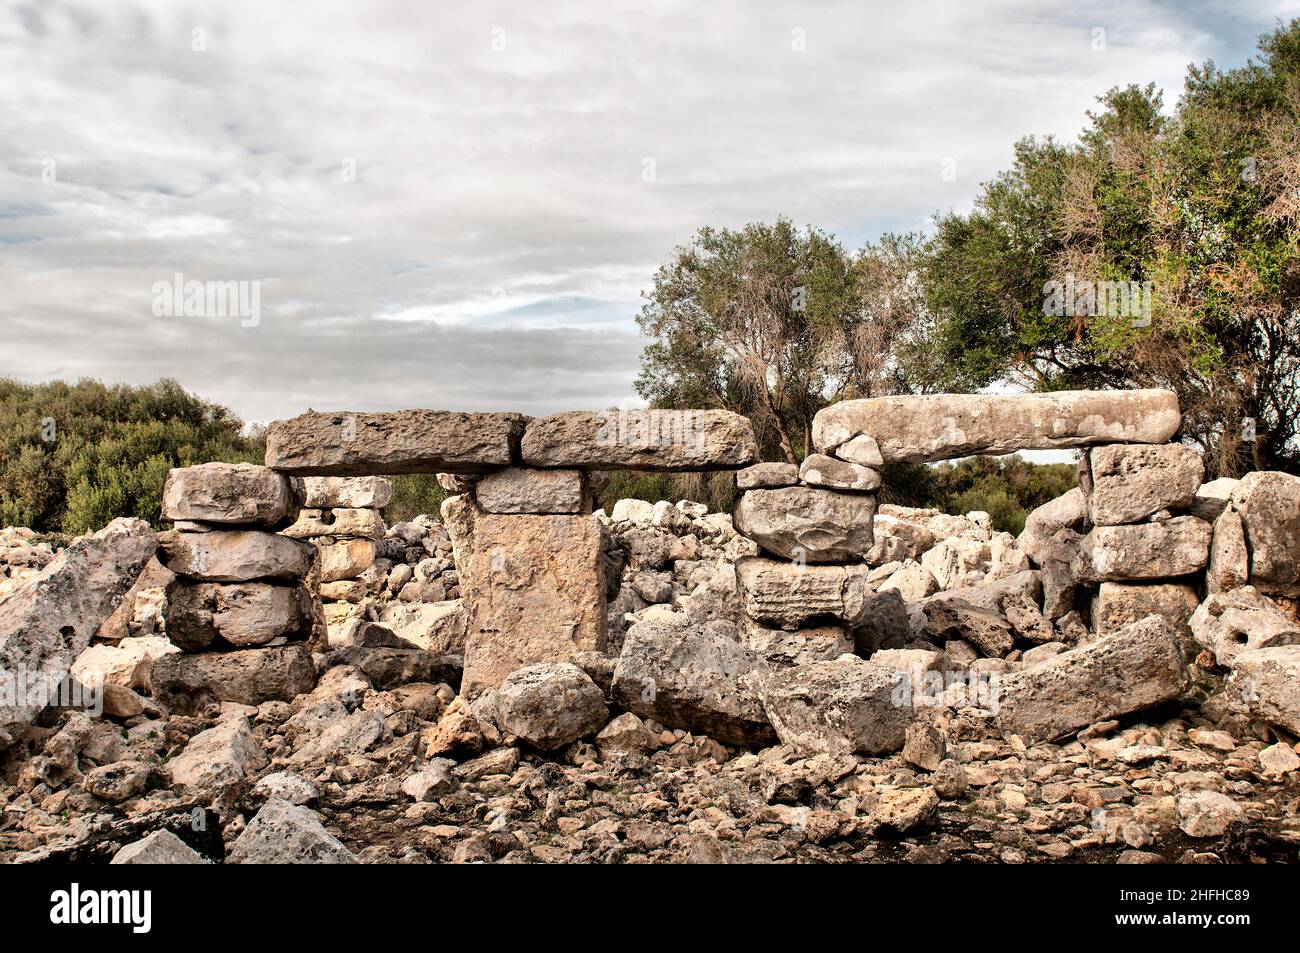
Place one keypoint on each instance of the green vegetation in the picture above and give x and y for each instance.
(414, 494)
(75, 456)
(1007, 488)
(1203, 204)
(1199, 210)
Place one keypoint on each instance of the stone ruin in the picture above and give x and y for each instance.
(828, 624)
(823, 589)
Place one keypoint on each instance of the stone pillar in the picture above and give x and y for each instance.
(240, 608)
(342, 516)
(817, 520)
(531, 566)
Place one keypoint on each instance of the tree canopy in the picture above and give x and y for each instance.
(74, 456)
(1199, 206)
(1162, 249)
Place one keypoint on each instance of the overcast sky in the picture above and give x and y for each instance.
(457, 205)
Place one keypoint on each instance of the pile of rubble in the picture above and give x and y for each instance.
(817, 678)
(22, 554)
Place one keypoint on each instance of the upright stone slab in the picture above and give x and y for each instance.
(1130, 483)
(533, 586)
(662, 440)
(48, 621)
(922, 429)
(406, 441)
(1269, 504)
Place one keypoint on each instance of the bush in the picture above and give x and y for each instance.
(715, 490)
(75, 456)
(1007, 488)
(414, 494)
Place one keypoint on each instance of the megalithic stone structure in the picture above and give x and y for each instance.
(528, 550)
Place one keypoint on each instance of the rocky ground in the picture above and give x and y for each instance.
(357, 760)
(383, 761)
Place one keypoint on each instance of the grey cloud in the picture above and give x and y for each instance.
(498, 208)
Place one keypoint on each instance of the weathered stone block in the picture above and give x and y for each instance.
(234, 556)
(692, 676)
(1173, 547)
(48, 620)
(529, 490)
(185, 683)
(365, 492)
(550, 705)
(820, 470)
(241, 493)
(1265, 686)
(1230, 623)
(1229, 566)
(406, 441)
(241, 614)
(533, 587)
(1269, 504)
(346, 559)
(846, 706)
(1119, 604)
(641, 440)
(918, 429)
(789, 595)
(340, 521)
(1134, 668)
(767, 476)
(807, 523)
(1130, 483)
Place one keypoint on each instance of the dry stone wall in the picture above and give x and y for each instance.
(751, 627)
(891, 666)
(244, 607)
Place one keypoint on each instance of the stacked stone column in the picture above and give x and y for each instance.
(1145, 547)
(241, 608)
(814, 525)
(342, 517)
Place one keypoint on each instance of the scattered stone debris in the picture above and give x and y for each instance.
(822, 679)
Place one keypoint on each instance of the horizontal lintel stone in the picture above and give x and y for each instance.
(404, 441)
(930, 427)
(657, 440)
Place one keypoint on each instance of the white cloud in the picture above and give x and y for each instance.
(491, 248)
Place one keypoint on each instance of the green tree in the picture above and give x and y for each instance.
(75, 456)
(414, 494)
(1203, 203)
(1007, 488)
(751, 321)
